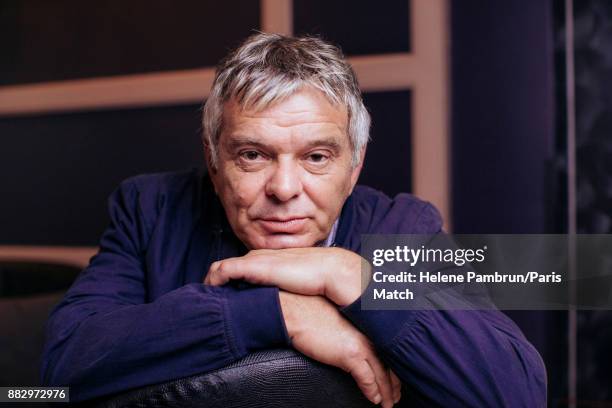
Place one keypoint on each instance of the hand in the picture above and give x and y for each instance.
(331, 272)
(319, 331)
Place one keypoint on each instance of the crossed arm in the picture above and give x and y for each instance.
(463, 358)
(110, 333)
(313, 283)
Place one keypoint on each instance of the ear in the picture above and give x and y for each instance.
(357, 170)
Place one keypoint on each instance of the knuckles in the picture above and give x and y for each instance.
(354, 350)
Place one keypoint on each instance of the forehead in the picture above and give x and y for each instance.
(306, 113)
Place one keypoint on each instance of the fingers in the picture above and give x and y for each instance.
(211, 270)
(217, 275)
(382, 379)
(368, 371)
(221, 272)
(274, 268)
(323, 334)
(366, 380)
(396, 386)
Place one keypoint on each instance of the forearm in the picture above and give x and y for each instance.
(459, 358)
(99, 348)
(318, 330)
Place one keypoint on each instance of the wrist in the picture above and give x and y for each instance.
(287, 301)
(347, 280)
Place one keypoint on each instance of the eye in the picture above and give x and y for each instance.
(251, 160)
(317, 158)
(251, 155)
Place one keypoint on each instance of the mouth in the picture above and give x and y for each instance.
(291, 225)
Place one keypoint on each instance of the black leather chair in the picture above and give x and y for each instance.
(28, 292)
(275, 378)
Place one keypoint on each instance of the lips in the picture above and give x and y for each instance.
(283, 225)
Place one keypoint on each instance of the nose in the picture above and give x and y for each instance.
(284, 183)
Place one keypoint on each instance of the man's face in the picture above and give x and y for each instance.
(284, 173)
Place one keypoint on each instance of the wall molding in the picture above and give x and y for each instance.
(375, 73)
(126, 91)
(77, 256)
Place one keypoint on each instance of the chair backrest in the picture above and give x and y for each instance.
(28, 292)
(275, 378)
(22, 337)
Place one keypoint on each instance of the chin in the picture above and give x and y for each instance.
(281, 241)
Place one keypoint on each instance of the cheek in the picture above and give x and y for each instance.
(242, 190)
(329, 193)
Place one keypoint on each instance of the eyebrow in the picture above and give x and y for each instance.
(240, 141)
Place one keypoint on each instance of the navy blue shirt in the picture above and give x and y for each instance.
(139, 313)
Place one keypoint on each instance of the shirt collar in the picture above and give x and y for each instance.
(329, 241)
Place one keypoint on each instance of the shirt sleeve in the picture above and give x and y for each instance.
(104, 337)
(456, 358)
(460, 358)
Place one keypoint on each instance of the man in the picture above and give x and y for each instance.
(285, 132)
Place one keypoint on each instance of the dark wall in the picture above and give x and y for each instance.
(66, 39)
(57, 170)
(359, 26)
(502, 115)
(503, 141)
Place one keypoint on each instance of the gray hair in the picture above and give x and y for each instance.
(267, 68)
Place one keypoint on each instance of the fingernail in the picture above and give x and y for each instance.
(377, 399)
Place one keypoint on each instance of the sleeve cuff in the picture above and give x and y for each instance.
(380, 326)
(255, 320)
